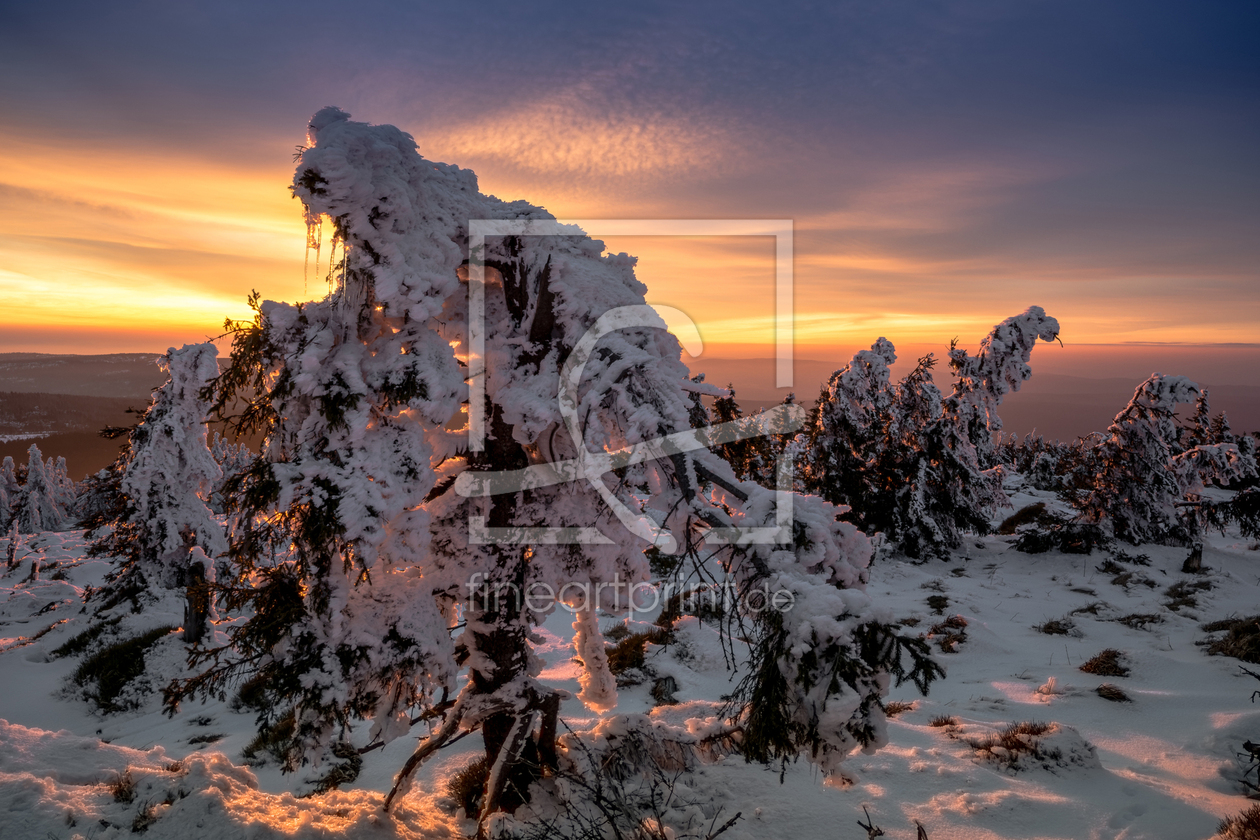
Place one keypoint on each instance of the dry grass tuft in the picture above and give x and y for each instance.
(123, 787)
(1182, 594)
(895, 707)
(943, 721)
(1241, 639)
(1015, 741)
(1106, 664)
(949, 634)
(1139, 621)
(1058, 627)
(1107, 691)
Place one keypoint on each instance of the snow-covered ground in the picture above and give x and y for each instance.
(1162, 765)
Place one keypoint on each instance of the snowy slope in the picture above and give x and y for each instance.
(1160, 766)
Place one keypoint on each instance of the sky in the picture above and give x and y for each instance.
(944, 164)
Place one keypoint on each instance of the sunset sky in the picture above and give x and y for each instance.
(945, 165)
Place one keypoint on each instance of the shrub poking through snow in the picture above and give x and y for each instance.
(105, 674)
(467, 785)
(1106, 664)
(123, 787)
(938, 604)
(1241, 639)
(1182, 594)
(895, 707)
(1058, 533)
(1032, 744)
(1140, 621)
(1114, 693)
(943, 721)
(1244, 825)
(949, 634)
(627, 655)
(1058, 627)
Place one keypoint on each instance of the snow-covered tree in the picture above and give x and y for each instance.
(63, 487)
(1000, 366)
(9, 489)
(155, 517)
(1135, 487)
(358, 549)
(37, 508)
(907, 461)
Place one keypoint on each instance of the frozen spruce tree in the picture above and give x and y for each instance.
(1000, 366)
(9, 489)
(161, 526)
(1136, 487)
(388, 554)
(909, 463)
(37, 508)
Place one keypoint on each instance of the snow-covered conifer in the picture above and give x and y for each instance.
(900, 456)
(167, 479)
(63, 487)
(37, 508)
(352, 531)
(1135, 487)
(9, 488)
(1000, 366)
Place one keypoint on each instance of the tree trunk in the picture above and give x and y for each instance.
(196, 603)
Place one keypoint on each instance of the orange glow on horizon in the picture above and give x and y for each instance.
(150, 246)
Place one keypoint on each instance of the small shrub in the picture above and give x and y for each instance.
(468, 785)
(663, 691)
(80, 642)
(616, 633)
(144, 818)
(1015, 741)
(943, 721)
(1139, 621)
(1106, 664)
(208, 738)
(949, 633)
(1090, 609)
(112, 667)
(342, 773)
(1241, 639)
(1241, 826)
(1125, 577)
(272, 740)
(1058, 627)
(938, 604)
(1135, 559)
(1068, 537)
(1034, 514)
(123, 787)
(908, 622)
(1107, 691)
(628, 654)
(1182, 594)
(895, 707)
(60, 574)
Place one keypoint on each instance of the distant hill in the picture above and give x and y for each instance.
(112, 375)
